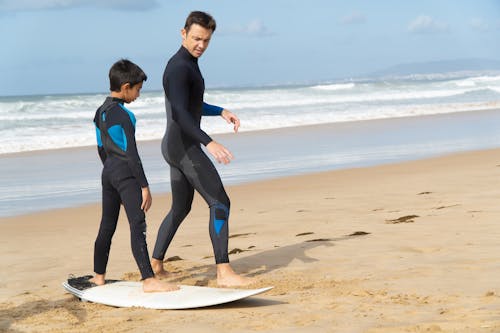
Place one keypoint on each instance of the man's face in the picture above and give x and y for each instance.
(196, 39)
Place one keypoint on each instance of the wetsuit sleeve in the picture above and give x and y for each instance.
(133, 159)
(178, 96)
(211, 110)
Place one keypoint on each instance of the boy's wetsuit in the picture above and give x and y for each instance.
(190, 168)
(122, 179)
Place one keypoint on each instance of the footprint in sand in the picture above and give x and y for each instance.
(242, 235)
(236, 251)
(174, 258)
(449, 206)
(319, 240)
(304, 234)
(359, 233)
(403, 219)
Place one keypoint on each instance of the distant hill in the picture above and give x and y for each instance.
(435, 67)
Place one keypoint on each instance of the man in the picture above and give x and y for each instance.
(190, 167)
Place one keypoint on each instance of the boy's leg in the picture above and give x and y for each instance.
(131, 197)
(102, 245)
(182, 198)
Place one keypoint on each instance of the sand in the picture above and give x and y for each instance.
(408, 247)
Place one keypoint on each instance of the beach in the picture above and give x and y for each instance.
(363, 194)
(364, 186)
(405, 246)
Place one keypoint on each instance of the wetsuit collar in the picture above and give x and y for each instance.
(186, 55)
(114, 99)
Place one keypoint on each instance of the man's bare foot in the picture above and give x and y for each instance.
(152, 285)
(226, 277)
(158, 269)
(98, 279)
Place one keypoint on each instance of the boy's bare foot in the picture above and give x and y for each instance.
(226, 277)
(158, 269)
(98, 279)
(152, 285)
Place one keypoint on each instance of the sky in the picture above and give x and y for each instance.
(67, 46)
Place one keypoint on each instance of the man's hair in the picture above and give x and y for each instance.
(200, 18)
(125, 71)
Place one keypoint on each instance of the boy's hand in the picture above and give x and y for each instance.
(147, 200)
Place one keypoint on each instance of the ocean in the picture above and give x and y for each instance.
(29, 123)
(359, 123)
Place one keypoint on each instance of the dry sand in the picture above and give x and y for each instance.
(410, 247)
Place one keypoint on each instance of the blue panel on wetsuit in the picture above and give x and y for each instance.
(117, 134)
(98, 136)
(218, 224)
(220, 217)
(130, 114)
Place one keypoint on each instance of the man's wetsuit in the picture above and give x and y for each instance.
(190, 168)
(122, 179)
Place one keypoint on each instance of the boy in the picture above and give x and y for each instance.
(123, 178)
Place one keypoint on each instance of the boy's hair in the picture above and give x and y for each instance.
(201, 18)
(125, 71)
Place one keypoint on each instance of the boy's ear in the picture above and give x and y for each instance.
(125, 86)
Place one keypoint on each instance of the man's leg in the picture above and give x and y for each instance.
(182, 198)
(204, 177)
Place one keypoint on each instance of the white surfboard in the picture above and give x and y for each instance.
(130, 294)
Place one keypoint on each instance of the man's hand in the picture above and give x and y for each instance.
(147, 200)
(231, 119)
(219, 152)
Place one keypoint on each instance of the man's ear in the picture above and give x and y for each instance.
(183, 34)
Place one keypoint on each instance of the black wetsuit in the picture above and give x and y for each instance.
(190, 168)
(122, 179)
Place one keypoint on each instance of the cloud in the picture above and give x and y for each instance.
(36, 5)
(479, 24)
(424, 24)
(354, 18)
(253, 28)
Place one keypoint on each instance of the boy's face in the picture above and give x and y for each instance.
(130, 94)
(196, 39)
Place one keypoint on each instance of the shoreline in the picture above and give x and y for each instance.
(338, 246)
(42, 180)
(166, 194)
(340, 124)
